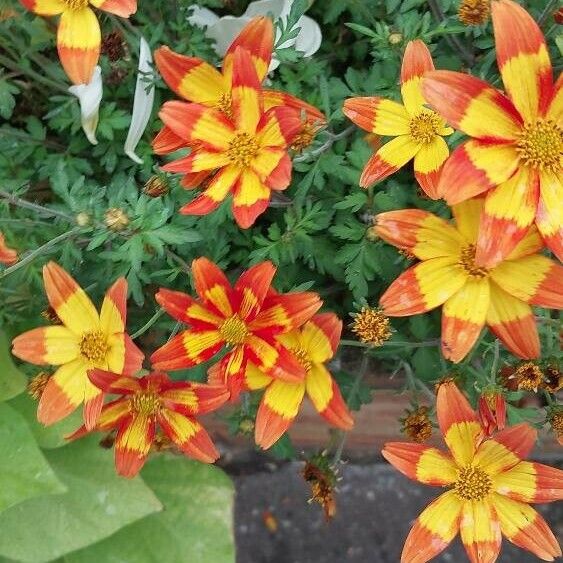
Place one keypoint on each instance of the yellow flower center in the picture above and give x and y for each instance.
(145, 404)
(467, 262)
(302, 358)
(371, 326)
(225, 104)
(94, 346)
(76, 4)
(304, 138)
(529, 376)
(425, 126)
(474, 12)
(234, 331)
(473, 483)
(242, 150)
(541, 144)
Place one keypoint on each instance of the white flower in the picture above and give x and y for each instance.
(143, 102)
(224, 30)
(90, 95)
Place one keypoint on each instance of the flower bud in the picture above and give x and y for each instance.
(116, 219)
(492, 411)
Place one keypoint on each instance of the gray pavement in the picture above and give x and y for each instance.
(375, 509)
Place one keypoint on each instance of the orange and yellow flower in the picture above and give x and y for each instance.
(83, 341)
(516, 150)
(473, 296)
(154, 402)
(246, 154)
(490, 487)
(79, 37)
(313, 344)
(8, 255)
(197, 81)
(418, 131)
(246, 318)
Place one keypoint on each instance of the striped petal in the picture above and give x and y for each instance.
(69, 300)
(534, 279)
(64, 392)
(267, 161)
(45, 7)
(522, 58)
(428, 162)
(463, 318)
(187, 349)
(433, 530)
(193, 398)
(188, 435)
(257, 37)
(194, 180)
(549, 216)
(167, 141)
(417, 60)
(280, 177)
(467, 216)
(474, 167)
(326, 397)
(113, 315)
(246, 92)
(532, 243)
(113, 414)
(47, 345)
(320, 337)
(251, 289)
(512, 320)
(114, 383)
(524, 527)
(199, 160)
(278, 127)
(508, 213)
(378, 115)
(132, 444)
(278, 409)
(78, 43)
(420, 232)
(471, 105)
(388, 159)
(212, 286)
(187, 310)
(506, 449)
(480, 531)
(458, 422)
(198, 123)
(422, 463)
(255, 379)
(423, 287)
(250, 199)
(274, 98)
(124, 356)
(123, 8)
(530, 482)
(190, 77)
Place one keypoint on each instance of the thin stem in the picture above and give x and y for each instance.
(26, 137)
(454, 42)
(358, 344)
(38, 252)
(148, 324)
(326, 145)
(496, 357)
(415, 384)
(179, 260)
(19, 202)
(546, 11)
(5, 61)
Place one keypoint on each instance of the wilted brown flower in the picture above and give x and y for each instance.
(49, 314)
(555, 418)
(116, 219)
(553, 378)
(305, 136)
(417, 425)
(528, 376)
(37, 384)
(474, 12)
(371, 326)
(322, 477)
(114, 46)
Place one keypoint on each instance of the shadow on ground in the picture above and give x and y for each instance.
(376, 507)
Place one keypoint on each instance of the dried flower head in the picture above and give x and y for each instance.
(371, 326)
(417, 425)
(555, 419)
(322, 476)
(553, 378)
(395, 38)
(114, 46)
(156, 186)
(116, 219)
(50, 315)
(492, 410)
(305, 136)
(37, 384)
(528, 376)
(474, 12)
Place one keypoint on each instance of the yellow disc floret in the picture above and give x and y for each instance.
(467, 262)
(425, 126)
(145, 404)
(243, 148)
(473, 483)
(541, 145)
(94, 346)
(76, 4)
(234, 331)
(371, 326)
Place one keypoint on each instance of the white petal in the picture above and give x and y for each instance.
(275, 8)
(310, 36)
(225, 31)
(89, 96)
(202, 17)
(143, 102)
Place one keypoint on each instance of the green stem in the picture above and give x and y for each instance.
(546, 11)
(19, 202)
(496, 357)
(358, 344)
(548, 398)
(326, 145)
(148, 324)
(5, 61)
(38, 252)
(28, 138)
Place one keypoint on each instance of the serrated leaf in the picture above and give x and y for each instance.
(7, 99)
(354, 201)
(12, 380)
(196, 524)
(97, 503)
(24, 471)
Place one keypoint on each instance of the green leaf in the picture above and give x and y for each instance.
(24, 471)
(97, 503)
(48, 437)
(7, 99)
(196, 524)
(12, 380)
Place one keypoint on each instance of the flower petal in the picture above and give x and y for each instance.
(423, 287)
(320, 336)
(422, 463)
(273, 98)
(212, 286)
(189, 398)
(167, 141)
(378, 115)
(185, 309)
(8, 255)
(480, 531)
(417, 60)
(467, 216)
(428, 162)
(251, 289)
(78, 42)
(549, 216)
(113, 315)
(250, 199)
(47, 345)
(90, 96)
(246, 92)
(45, 7)
(123, 8)
(471, 105)
(278, 127)
(132, 444)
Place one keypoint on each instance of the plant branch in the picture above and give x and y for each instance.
(148, 324)
(546, 11)
(19, 202)
(326, 145)
(8, 63)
